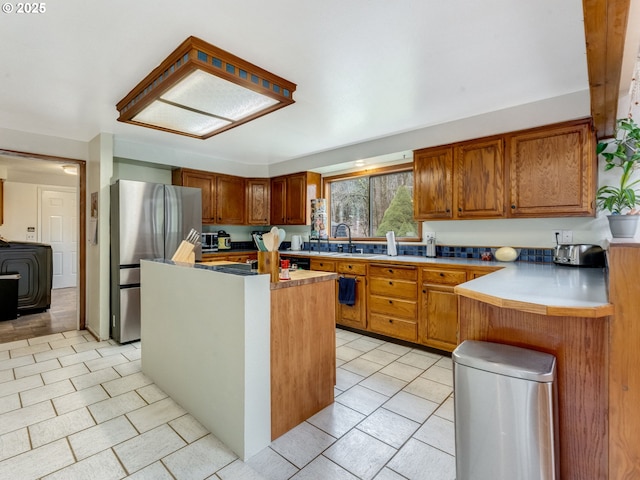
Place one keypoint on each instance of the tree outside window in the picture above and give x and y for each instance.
(373, 204)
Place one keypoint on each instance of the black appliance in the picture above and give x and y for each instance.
(33, 262)
(209, 242)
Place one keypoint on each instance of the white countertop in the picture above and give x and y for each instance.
(542, 288)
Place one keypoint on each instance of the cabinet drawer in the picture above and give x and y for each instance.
(444, 277)
(393, 306)
(394, 327)
(323, 265)
(393, 288)
(394, 272)
(352, 268)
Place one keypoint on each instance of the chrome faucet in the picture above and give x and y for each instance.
(350, 245)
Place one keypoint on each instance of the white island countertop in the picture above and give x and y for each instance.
(547, 289)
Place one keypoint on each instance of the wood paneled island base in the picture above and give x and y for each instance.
(580, 346)
(303, 351)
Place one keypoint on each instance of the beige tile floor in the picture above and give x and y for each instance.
(73, 408)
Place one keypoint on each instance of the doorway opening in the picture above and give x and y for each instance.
(65, 229)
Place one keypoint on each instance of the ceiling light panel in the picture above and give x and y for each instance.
(210, 94)
(169, 117)
(201, 90)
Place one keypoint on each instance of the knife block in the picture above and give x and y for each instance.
(269, 262)
(184, 253)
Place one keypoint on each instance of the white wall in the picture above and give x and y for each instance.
(125, 169)
(99, 172)
(21, 209)
(43, 144)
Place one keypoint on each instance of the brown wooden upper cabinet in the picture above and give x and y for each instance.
(460, 181)
(291, 196)
(543, 172)
(205, 181)
(258, 201)
(223, 196)
(552, 171)
(230, 200)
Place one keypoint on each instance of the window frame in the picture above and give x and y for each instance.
(326, 188)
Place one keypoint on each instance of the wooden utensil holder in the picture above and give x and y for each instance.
(269, 262)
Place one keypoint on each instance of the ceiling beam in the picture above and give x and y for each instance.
(605, 25)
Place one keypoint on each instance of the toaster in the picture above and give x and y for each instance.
(579, 255)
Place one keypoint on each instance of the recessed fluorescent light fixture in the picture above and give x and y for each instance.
(201, 90)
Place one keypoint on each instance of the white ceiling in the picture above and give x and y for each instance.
(365, 69)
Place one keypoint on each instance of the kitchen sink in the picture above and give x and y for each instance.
(356, 255)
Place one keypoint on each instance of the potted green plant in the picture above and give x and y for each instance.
(621, 200)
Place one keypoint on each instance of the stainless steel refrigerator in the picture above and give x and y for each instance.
(148, 220)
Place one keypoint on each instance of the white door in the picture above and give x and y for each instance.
(59, 229)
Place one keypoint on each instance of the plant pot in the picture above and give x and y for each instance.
(623, 226)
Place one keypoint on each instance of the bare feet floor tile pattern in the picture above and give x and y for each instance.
(73, 408)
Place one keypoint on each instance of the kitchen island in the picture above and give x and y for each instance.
(246, 360)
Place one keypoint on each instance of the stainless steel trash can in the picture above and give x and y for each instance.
(505, 404)
(9, 295)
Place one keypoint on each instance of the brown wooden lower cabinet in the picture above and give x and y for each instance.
(389, 303)
(303, 353)
(624, 362)
(355, 315)
(392, 301)
(439, 317)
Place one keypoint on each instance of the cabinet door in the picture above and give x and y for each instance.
(296, 199)
(322, 265)
(479, 179)
(230, 197)
(552, 171)
(400, 328)
(206, 183)
(278, 201)
(257, 201)
(432, 182)
(439, 322)
(353, 315)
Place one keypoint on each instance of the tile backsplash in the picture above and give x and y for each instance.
(537, 255)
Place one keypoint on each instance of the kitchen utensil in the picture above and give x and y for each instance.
(259, 243)
(193, 236)
(275, 235)
(268, 239)
(281, 234)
